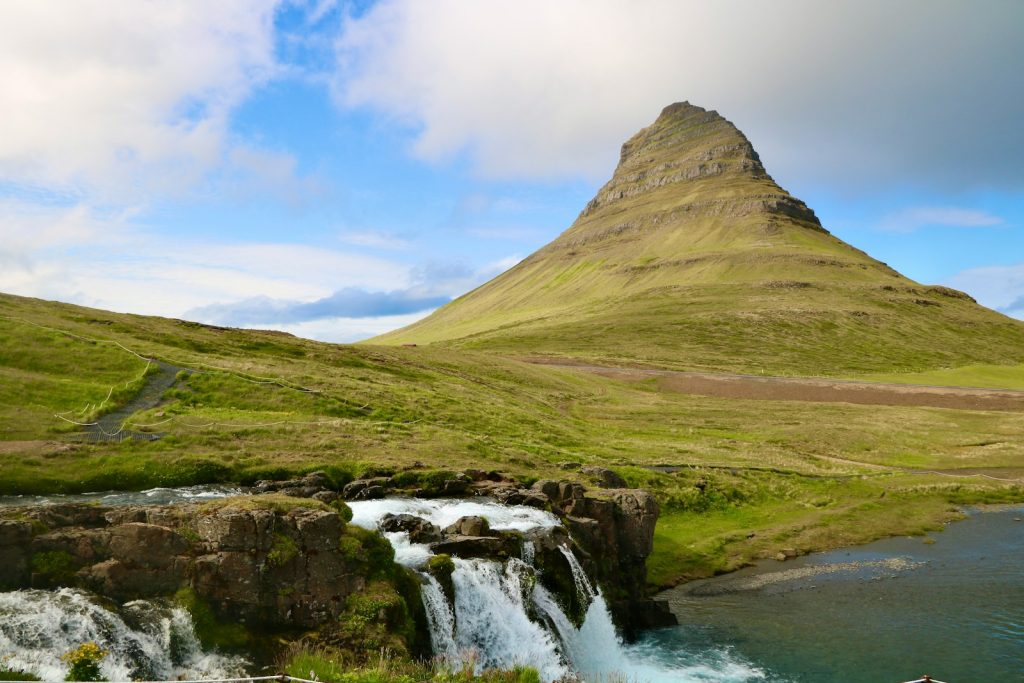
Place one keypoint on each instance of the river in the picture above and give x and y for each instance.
(950, 604)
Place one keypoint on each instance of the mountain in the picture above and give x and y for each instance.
(692, 257)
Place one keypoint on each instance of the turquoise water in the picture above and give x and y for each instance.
(951, 606)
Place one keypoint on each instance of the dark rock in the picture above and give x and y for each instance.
(635, 524)
(14, 532)
(370, 493)
(646, 614)
(469, 526)
(569, 465)
(456, 487)
(419, 530)
(604, 477)
(306, 486)
(69, 514)
(232, 529)
(146, 545)
(548, 488)
(84, 546)
(126, 581)
(569, 490)
(15, 536)
(535, 500)
(355, 490)
(326, 496)
(490, 547)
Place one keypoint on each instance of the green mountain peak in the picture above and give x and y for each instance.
(691, 256)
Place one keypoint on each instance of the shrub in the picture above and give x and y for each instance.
(283, 551)
(84, 662)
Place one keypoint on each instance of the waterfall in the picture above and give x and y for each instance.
(493, 624)
(503, 616)
(145, 640)
(440, 620)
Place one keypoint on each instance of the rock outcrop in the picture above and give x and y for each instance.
(287, 559)
(257, 560)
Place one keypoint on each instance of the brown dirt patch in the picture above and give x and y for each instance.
(813, 389)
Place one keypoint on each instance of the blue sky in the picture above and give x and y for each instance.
(339, 169)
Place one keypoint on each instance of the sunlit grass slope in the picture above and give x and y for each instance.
(692, 257)
(258, 404)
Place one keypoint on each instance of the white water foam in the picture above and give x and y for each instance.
(492, 621)
(445, 511)
(37, 627)
(441, 620)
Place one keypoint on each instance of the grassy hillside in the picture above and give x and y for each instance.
(255, 404)
(692, 257)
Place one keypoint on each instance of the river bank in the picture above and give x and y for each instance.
(950, 603)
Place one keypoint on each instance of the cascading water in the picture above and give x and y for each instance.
(145, 640)
(441, 620)
(502, 616)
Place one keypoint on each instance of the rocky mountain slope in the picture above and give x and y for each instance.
(692, 257)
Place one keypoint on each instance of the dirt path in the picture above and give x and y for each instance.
(810, 389)
(109, 426)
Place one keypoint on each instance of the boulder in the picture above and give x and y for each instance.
(419, 530)
(358, 489)
(603, 477)
(489, 547)
(469, 526)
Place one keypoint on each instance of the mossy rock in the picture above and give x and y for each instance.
(275, 502)
(212, 632)
(54, 568)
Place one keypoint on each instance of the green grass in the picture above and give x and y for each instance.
(982, 376)
(361, 410)
(332, 666)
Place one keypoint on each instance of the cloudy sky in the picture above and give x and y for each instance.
(337, 169)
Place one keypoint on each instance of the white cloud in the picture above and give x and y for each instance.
(121, 97)
(375, 239)
(924, 91)
(909, 220)
(105, 260)
(85, 256)
(346, 330)
(998, 287)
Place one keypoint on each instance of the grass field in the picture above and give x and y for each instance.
(983, 376)
(254, 404)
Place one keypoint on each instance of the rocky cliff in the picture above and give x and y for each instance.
(286, 559)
